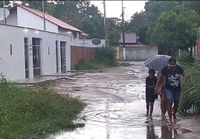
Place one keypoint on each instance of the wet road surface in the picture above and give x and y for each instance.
(116, 107)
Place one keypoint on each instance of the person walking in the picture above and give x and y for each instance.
(160, 92)
(150, 93)
(171, 75)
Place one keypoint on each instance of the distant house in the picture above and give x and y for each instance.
(133, 50)
(130, 39)
(33, 44)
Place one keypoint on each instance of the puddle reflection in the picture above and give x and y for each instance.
(165, 132)
(116, 107)
(151, 132)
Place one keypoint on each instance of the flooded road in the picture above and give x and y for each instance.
(116, 107)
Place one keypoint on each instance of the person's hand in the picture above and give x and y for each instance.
(157, 91)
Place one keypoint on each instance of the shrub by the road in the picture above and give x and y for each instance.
(105, 57)
(190, 97)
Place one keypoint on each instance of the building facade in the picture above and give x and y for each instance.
(33, 44)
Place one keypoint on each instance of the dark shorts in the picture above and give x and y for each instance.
(170, 94)
(150, 97)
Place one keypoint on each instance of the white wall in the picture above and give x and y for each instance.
(88, 43)
(13, 66)
(12, 18)
(28, 19)
(139, 53)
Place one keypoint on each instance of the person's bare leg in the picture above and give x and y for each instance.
(163, 106)
(151, 109)
(175, 108)
(147, 107)
(169, 110)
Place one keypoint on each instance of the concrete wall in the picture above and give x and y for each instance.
(138, 52)
(11, 53)
(88, 43)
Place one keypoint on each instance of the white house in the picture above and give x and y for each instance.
(130, 38)
(33, 44)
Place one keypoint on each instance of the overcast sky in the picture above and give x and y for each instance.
(114, 8)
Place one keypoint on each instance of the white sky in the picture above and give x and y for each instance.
(114, 8)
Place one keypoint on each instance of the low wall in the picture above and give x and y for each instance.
(138, 52)
(78, 53)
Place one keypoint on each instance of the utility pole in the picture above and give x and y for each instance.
(43, 10)
(105, 24)
(123, 32)
(4, 12)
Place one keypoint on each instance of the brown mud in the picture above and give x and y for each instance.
(116, 107)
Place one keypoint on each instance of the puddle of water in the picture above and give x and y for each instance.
(116, 107)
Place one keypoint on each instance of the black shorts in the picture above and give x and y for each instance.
(150, 97)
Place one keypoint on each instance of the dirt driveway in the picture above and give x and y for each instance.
(116, 107)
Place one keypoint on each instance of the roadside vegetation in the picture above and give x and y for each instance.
(26, 113)
(105, 57)
(190, 99)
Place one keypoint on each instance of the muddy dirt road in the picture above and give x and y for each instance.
(116, 107)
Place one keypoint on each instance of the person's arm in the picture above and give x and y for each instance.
(159, 81)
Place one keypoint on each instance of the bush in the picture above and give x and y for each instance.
(190, 97)
(106, 53)
(186, 57)
(105, 57)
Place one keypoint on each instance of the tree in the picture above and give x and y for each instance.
(113, 31)
(139, 24)
(67, 12)
(173, 31)
(143, 22)
(94, 26)
(192, 5)
(187, 26)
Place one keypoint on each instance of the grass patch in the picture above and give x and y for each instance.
(25, 113)
(95, 64)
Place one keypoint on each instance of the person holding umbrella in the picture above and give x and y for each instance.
(171, 75)
(157, 62)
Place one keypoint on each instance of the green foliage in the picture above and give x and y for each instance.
(114, 37)
(190, 97)
(192, 5)
(186, 57)
(82, 65)
(106, 53)
(139, 24)
(105, 58)
(93, 26)
(25, 113)
(173, 31)
(113, 31)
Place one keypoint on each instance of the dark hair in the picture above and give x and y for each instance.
(172, 59)
(152, 71)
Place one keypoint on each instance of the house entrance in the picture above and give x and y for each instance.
(26, 54)
(36, 57)
(63, 56)
(57, 58)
